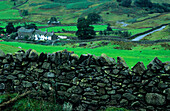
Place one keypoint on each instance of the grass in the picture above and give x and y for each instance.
(136, 31)
(144, 53)
(4, 5)
(72, 28)
(10, 14)
(29, 104)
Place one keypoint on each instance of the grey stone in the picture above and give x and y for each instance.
(2, 86)
(155, 99)
(105, 60)
(21, 76)
(167, 67)
(49, 75)
(75, 98)
(33, 55)
(129, 96)
(16, 82)
(162, 85)
(115, 71)
(63, 94)
(155, 64)
(111, 92)
(89, 94)
(135, 104)
(46, 65)
(167, 92)
(6, 66)
(26, 84)
(75, 89)
(102, 91)
(116, 97)
(75, 81)
(101, 84)
(11, 77)
(2, 54)
(89, 90)
(139, 68)
(46, 86)
(70, 75)
(105, 97)
(150, 108)
(121, 63)
(124, 102)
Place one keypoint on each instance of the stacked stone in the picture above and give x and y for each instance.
(88, 82)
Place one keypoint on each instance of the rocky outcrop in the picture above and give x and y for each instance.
(87, 82)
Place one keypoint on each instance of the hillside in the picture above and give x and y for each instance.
(68, 12)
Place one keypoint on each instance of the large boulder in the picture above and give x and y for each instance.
(121, 63)
(129, 96)
(155, 99)
(33, 55)
(106, 61)
(155, 64)
(139, 68)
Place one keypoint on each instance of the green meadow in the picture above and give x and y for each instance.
(72, 28)
(144, 53)
(10, 14)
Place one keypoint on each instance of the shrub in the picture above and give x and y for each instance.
(79, 5)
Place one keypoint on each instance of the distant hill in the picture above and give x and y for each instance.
(68, 11)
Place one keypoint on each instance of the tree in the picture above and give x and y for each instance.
(118, 0)
(10, 28)
(85, 31)
(31, 26)
(93, 18)
(109, 28)
(2, 30)
(24, 12)
(126, 3)
(143, 3)
(53, 19)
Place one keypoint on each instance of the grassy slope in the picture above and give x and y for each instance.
(69, 16)
(7, 13)
(139, 53)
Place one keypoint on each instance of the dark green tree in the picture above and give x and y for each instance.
(94, 18)
(109, 28)
(31, 26)
(24, 12)
(53, 19)
(118, 0)
(85, 31)
(10, 28)
(126, 3)
(143, 3)
(2, 30)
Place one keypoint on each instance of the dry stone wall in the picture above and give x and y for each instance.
(87, 82)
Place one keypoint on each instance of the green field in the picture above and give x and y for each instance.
(10, 14)
(72, 28)
(144, 53)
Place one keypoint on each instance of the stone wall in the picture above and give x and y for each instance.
(88, 82)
